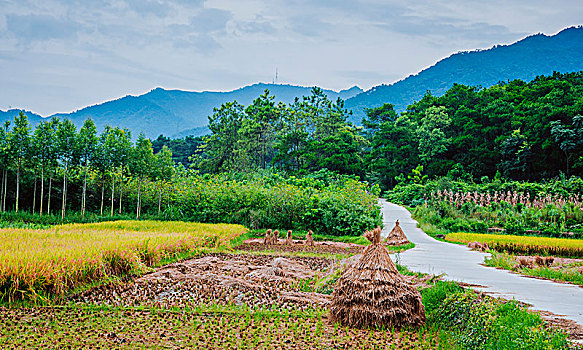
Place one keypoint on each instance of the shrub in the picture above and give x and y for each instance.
(475, 321)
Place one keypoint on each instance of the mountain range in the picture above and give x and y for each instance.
(175, 113)
(178, 113)
(525, 59)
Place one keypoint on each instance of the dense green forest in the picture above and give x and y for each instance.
(516, 130)
(524, 130)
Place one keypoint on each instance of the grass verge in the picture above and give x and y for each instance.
(572, 273)
(475, 321)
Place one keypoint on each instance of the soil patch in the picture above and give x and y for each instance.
(323, 247)
(572, 328)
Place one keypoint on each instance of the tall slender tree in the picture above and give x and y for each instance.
(20, 147)
(87, 149)
(163, 171)
(67, 146)
(5, 157)
(117, 147)
(44, 146)
(141, 164)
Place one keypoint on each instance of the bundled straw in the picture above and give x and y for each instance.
(275, 237)
(396, 236)
(372, 293)
(267, 238)
(309, 238)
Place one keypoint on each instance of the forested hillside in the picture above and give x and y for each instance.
(524, 130)
(535, 55)
(173, 112)
(517, 130)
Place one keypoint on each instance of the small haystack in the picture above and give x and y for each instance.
(275, 237)
(267, 238)
(372, 293)
(309, 238)
(288, 239)
(396, 236)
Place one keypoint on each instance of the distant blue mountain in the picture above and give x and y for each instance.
(180, 113)
(175, 112)
(535, 55)
(33, 118)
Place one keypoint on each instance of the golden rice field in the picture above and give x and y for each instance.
(34, 263)
(527, 245)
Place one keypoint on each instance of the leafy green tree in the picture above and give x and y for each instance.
(163, 171)
(569, 138)
(392, 148)
(117, 148)
(516, 156)
(431, 133)
(257, 133)
(292, 139)
(339, 152)
(219, 153)
(67, 146)
(141, 164)
(19, 140)
(87, 144)
(416, 176)
(45, 148)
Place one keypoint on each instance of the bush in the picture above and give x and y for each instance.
(475, 321)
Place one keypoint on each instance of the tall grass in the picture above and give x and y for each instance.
(527, 245)
(53, 261)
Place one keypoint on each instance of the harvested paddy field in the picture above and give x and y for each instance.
(255, 281)
(326, 247)
(214, 301)
(228, 279)
(106, 328)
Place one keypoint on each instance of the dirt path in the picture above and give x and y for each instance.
(459, 263)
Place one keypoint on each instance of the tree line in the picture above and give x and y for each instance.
(517, 130)
(47, 158)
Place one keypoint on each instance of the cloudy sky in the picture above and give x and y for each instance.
(59, 55)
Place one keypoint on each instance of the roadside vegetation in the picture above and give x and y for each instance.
(562, 247)
(565, 270)
(475, 321)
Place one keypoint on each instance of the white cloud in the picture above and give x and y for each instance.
(60, 55)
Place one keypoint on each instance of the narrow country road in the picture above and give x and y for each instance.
(459, 263)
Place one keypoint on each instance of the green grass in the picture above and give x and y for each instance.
(205, 327)
(572, 273)
(474, 321)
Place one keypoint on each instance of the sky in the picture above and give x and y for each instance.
(62, 55)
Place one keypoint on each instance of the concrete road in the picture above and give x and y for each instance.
(459, 263)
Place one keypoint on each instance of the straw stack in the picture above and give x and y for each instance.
(396, 236)
(372, 293)
(267, 238)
